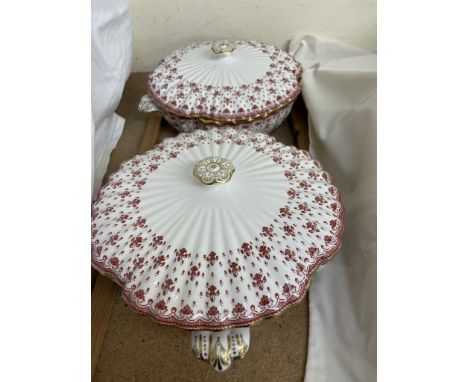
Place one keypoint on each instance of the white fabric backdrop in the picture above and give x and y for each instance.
(339, 90)
(111, 59)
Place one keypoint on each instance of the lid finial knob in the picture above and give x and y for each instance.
(225, 47)
(213, 170)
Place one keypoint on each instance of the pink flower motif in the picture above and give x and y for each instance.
(234, 268)
(246, 249)
(294, 165)
(168, 286)
(264, 300)
(333, 224)
(312, 227)
(158, 240)
(211, 258)
(285, 213)
(182, 254)
(292, 194)
(304, 185)
(267, 231)
(334, 206)
(138, 262)
(312, 251)
(136, 242)
(116, 184)
(299, 268)
(278, 160)
(213, 311)
(186, 311)
(194, 272)
(152, 167)
(212, 292)
(238, 309)
(313, 175)
(114, 261)
(319, 199)
(289, 175)
(161, 306)
(108, 211)
(113, 239)
(328, 239)
(140, 222)
(134, 203)
(128, 275)
(289, 230)
(159, 261)
(303, 207)
(258, 280)
(264, 251)
(123, 218)
(289, 255)
(140, 294)
(125, 193)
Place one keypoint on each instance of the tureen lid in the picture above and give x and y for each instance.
(208, 255)
(226, 80)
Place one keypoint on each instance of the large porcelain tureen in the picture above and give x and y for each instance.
(224, 83)
(216, 230)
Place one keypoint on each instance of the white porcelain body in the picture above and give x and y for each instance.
(216, 256)
(253, 86)
(187, 125)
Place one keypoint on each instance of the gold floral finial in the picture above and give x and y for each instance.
(213, 170)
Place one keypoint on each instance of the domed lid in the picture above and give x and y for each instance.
(199, 254)
(227, 81)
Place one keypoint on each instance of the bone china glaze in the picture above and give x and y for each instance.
(222, 255)
(224, 83)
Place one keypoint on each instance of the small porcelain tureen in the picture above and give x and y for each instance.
(224, 83)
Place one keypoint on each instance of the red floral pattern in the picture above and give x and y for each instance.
(277, 88)
(179, 286)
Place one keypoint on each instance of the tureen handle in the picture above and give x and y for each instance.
(223, 47)
(220, 348)
(146, 104)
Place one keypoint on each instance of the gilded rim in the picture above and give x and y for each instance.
(210, 120)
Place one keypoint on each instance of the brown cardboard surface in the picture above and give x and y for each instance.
(138, 349)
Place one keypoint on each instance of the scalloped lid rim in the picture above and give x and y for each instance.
(252, 83)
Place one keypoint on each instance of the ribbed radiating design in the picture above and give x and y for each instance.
(214, 256)
(256, 79)
(243, 66)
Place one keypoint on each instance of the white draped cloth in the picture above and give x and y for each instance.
(111, 60)
(339, 91)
